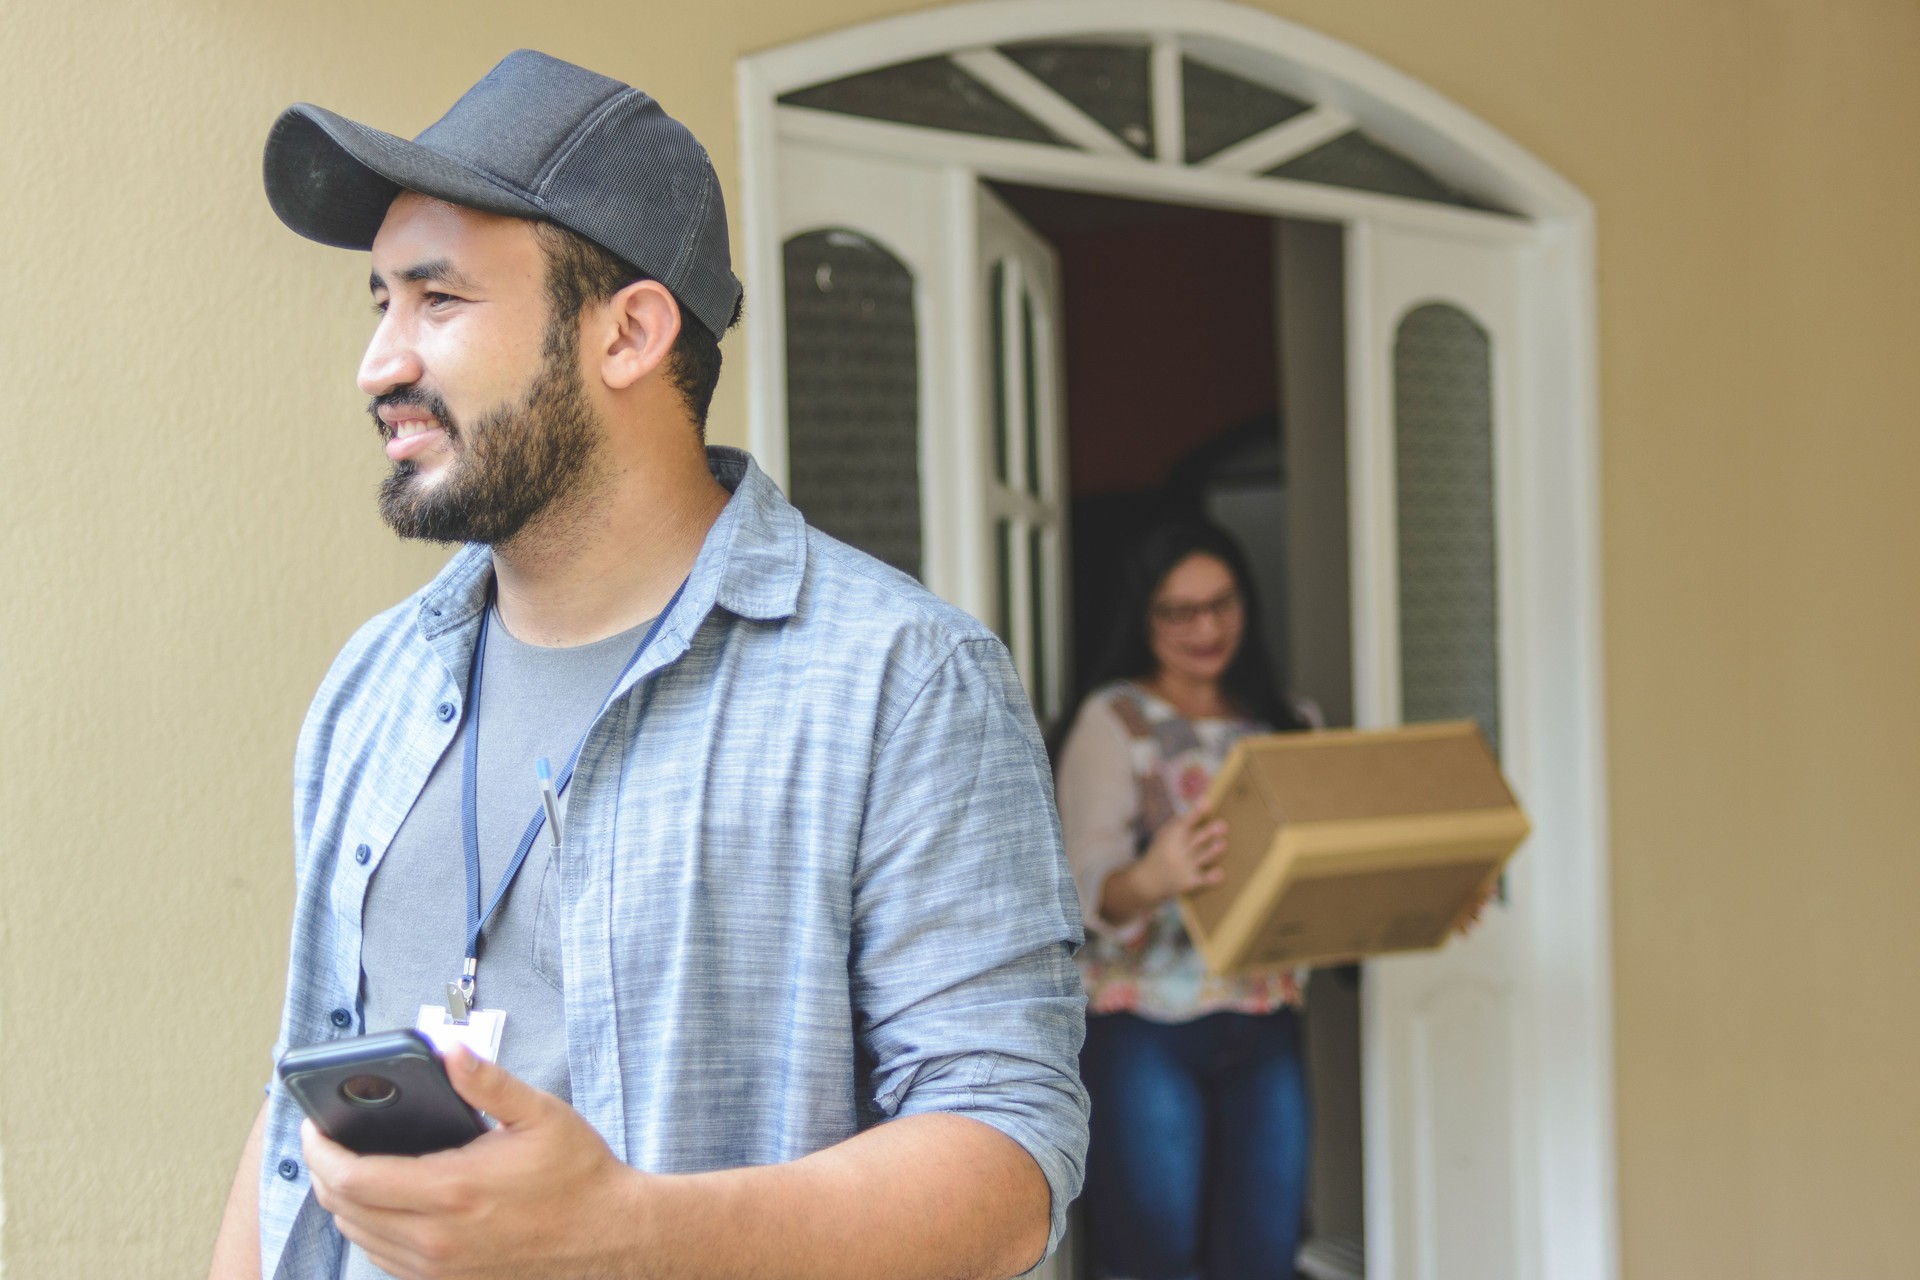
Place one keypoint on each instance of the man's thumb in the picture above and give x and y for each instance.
(491, 1088)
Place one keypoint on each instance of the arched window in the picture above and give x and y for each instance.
(853, 394)
(1112, 96)
(1443, 473)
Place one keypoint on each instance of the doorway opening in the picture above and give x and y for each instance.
(1461, 268)
(1202, 375)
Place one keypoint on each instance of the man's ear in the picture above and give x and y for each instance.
(637, 329)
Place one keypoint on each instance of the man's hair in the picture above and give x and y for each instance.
(580, 272)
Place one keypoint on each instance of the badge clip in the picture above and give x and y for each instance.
(460, 994)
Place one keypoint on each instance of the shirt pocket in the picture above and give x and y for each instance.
(546, 928)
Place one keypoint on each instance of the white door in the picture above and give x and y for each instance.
(909, 215)
(1022, 437)
(1433, 328)
(991, 453)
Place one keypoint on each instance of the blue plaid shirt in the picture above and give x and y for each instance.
(812, 877)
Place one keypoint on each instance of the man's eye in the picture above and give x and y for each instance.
(438, 299)
(380, 307)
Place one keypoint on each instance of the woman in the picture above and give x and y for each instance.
(1198, 1160)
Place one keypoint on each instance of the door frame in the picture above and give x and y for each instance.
(1552, 559)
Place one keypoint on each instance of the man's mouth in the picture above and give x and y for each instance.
(410, 437)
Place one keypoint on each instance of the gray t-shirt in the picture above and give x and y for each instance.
(533, 702)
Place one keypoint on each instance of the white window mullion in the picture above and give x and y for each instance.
(1019, 600)
(1035, 97)
(1376, 601)
(1273, 147)
(1013, 339)
(1053, 626)
(1169, 100)
(1046, 400)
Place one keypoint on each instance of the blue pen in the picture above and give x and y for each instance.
(547, 797)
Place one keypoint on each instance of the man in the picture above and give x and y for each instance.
(789, 990)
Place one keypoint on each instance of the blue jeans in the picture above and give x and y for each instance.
(1198, 1160)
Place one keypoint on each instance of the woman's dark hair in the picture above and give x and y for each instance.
(1128, 653)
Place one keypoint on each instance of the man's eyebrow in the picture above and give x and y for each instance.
(438, 271)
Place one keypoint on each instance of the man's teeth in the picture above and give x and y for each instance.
(413, 427)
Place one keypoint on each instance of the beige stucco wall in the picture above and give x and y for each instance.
(184, 500)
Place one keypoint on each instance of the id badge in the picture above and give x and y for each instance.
(480, 1033)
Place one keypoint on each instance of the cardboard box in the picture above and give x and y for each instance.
(1350, 843)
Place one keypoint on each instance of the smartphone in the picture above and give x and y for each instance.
(385, 1094)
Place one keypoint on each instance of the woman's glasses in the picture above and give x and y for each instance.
(1181, 613)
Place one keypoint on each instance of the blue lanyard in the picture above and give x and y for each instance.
(470, 789)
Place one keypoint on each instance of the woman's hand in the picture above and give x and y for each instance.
(1184, 856)
(1470, 920)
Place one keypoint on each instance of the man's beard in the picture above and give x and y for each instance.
(515, 463)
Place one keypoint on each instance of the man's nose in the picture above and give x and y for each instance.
(390, 360)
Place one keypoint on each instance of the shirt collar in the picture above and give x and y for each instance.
(751, 564)
(755, 556)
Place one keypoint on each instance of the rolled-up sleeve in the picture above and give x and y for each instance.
(965, 922)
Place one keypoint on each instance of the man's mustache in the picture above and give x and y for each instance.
(412, 396)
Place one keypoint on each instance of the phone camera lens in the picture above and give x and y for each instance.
(370, 1091)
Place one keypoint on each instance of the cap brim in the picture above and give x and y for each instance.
(331, 179)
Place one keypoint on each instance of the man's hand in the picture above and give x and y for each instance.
(540, 1195)
(931, 1196)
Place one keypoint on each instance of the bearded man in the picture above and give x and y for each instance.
(787, 988)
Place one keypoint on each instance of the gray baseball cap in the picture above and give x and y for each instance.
(537, 138)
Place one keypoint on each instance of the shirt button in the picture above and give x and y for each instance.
(289, 1169)
(447, 711)
(361, 855)
(342, 1018)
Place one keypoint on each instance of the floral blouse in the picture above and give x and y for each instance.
(1130, 764)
